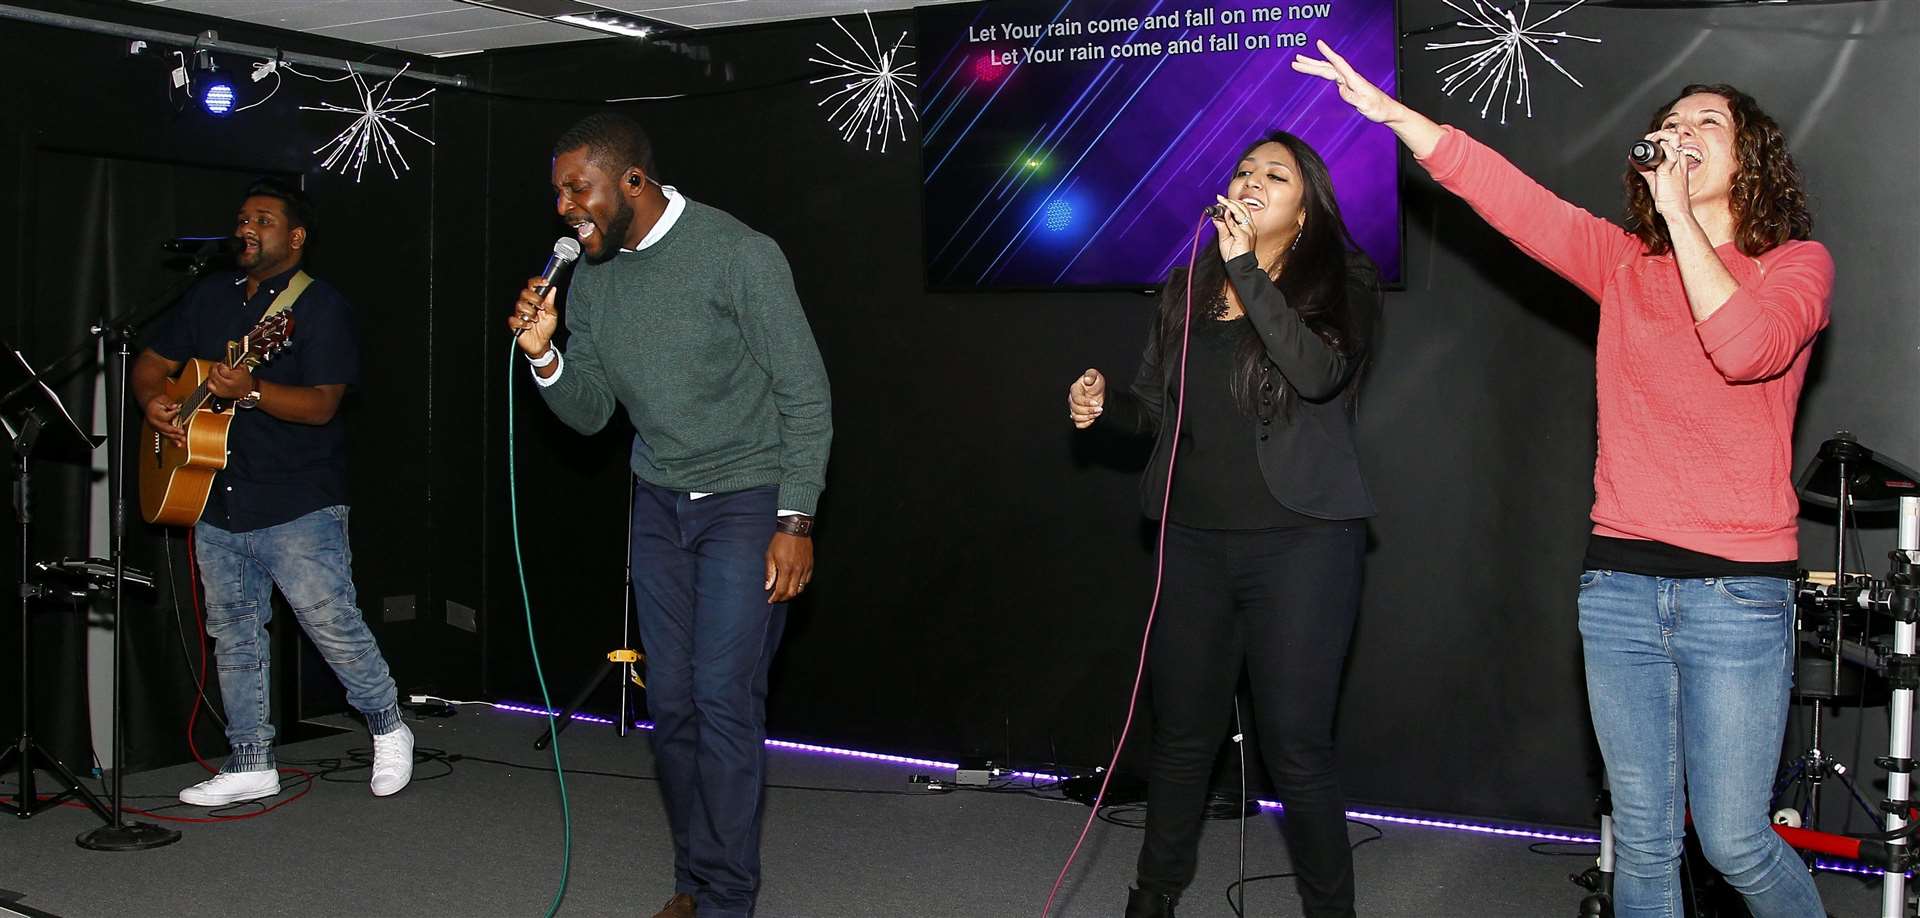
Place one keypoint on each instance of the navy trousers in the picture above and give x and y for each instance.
(709, 636)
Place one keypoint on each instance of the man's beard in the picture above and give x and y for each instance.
(259, 256)
(613, 235)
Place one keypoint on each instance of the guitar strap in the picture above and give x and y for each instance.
(296, 286)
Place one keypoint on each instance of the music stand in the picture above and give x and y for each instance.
(36, 423)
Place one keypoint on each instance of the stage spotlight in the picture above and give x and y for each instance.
(218, 96)
(212, 87)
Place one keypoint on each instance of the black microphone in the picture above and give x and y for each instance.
(1216, 211)
(1646, 153)
(202, 245)
(565, 250)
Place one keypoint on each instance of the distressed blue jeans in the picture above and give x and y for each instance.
(1688, 680)
(310, 561)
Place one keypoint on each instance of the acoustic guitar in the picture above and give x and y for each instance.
(175, 480)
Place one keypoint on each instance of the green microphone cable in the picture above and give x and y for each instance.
(526, 601)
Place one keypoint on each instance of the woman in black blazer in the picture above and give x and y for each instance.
(1265, 520)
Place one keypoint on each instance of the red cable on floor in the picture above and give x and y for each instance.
(1159, 578)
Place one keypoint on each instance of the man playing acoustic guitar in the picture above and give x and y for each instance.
(277, 514)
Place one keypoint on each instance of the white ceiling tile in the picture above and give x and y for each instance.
(531, 32)
(308, 15)
(465, 19)
(697, 14)
(441, 26)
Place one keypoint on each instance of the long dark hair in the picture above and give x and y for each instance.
(1314, 282)
(1769, 207)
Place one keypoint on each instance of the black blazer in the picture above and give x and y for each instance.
(1308, 457)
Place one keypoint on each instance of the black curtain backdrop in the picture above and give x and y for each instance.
(111, 267)
(983, 571)
(98, 167)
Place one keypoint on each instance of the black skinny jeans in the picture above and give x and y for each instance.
(1280, 603)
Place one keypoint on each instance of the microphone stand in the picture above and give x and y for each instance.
(118, 834)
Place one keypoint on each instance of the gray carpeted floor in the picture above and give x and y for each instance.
(842, 838)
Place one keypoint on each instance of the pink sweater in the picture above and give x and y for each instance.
(1695, 418)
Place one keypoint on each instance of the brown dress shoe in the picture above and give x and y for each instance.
(680, 906)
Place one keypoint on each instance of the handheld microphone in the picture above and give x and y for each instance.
(565, 250)
(202, 245)
(1216, 211)
(1646, 153)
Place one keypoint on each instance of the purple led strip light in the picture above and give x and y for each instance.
(772, 743)
(1369, 815)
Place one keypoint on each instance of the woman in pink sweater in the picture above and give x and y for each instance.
(1710, 298)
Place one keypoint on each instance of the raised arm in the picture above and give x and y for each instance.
(1575, 244)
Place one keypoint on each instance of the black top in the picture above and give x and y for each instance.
(1217, 482)
(1658, 559)
(277, 471)
(1306, 457)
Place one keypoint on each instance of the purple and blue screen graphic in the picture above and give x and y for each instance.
(1074, 143)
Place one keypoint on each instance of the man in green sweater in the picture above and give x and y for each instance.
(688, 319)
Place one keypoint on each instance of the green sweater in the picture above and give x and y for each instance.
(701, 336)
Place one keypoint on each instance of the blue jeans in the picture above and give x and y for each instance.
(699, 567)
(310, 561)
(1688, 683)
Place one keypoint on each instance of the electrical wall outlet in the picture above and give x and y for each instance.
(397, 608)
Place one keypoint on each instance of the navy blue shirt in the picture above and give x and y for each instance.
(277, 471)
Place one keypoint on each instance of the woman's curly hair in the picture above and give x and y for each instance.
(1769, 206)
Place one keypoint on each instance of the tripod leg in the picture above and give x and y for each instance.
(566, 714)
(16, 754)
(73, 787)
(27, 758)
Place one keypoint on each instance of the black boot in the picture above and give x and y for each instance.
(1142, 904)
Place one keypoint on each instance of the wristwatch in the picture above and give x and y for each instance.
(251, 401)
(795, 524)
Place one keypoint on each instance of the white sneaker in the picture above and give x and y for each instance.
(392, 761)
(232, 787)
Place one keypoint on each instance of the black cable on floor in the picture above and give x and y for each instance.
(1378, 834)
(361, 760)
(1219, 806)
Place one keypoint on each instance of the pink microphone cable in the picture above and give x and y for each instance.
(1159, 577)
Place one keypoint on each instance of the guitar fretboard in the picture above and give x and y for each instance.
(201, 393)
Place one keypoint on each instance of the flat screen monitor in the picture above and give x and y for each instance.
(1074, 143)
